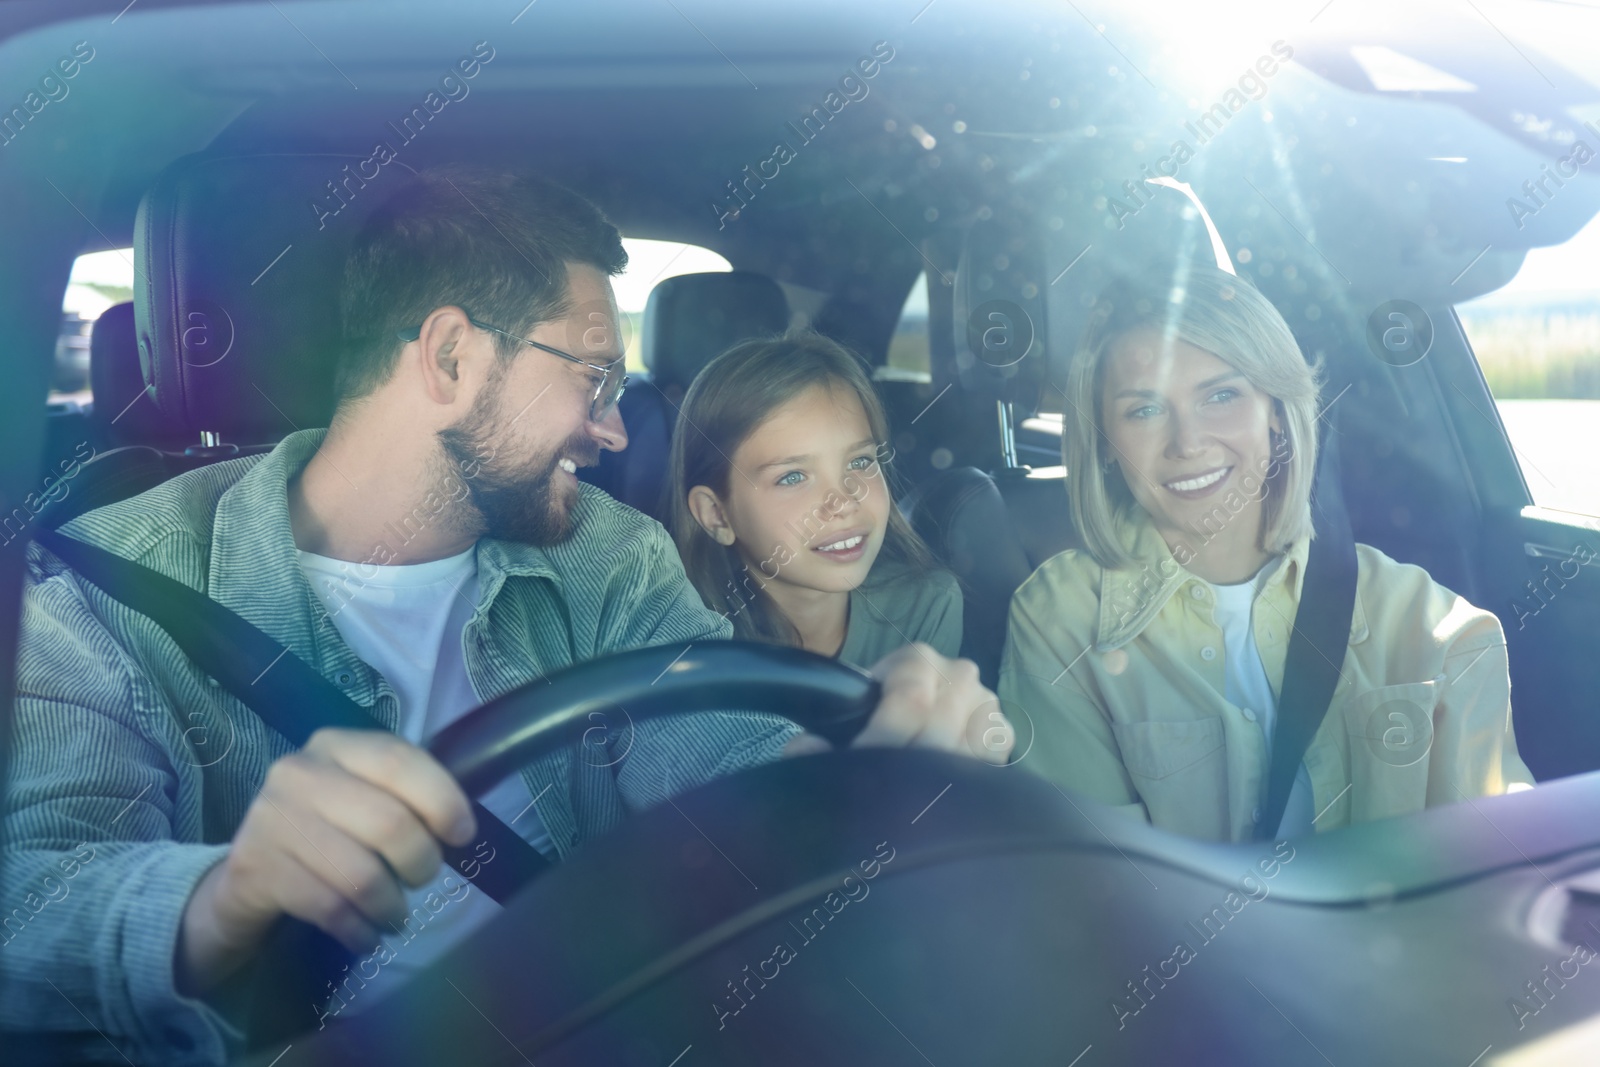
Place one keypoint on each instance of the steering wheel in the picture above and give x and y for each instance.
(820, 694)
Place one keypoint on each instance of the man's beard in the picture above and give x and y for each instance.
(515, 499)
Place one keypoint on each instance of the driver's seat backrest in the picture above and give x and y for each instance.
(234, 323)
(688, 322)
(237, 311)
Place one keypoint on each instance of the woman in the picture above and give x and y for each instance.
(782, 514)
(1150, 661)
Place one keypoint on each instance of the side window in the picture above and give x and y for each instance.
(98, 281)
(1538, 342)
(908, 349)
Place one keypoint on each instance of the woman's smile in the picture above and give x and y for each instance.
(1199, 486)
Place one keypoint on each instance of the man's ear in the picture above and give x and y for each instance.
(708, 512)
(446, 332)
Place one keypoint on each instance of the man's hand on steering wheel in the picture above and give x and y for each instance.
(341, 827)
(929, 701)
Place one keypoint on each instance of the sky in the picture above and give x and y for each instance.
(1574, 266)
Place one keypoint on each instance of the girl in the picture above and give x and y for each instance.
(782, 514)
(1151, 660)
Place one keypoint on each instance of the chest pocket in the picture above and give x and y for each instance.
(1390, 731)
(1181, 772)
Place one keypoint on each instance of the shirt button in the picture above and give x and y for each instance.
(1197, 592)
(1208, 653)
(1255, 816)
(1249, 716)
(344, 677)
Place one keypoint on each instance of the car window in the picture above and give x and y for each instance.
(1537, 340)
(908, 348)
(101, 279)
(98, 281)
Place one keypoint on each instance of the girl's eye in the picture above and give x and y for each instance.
(1222, 396)
(1143, 411)
(861, 463)
(792, 478)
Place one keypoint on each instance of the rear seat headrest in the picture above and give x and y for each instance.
(124, 413)
(692, 318)
(237, 306)
(1016, 278)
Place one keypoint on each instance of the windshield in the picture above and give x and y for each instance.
(565, 501)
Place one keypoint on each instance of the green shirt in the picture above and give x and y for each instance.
(123, 747)
(893, 608)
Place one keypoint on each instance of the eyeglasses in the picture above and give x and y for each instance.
(606, 394)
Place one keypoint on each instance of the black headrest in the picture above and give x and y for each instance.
(998, 312)
(124, 413)
(1017, 278)
(237, 309)
(692, 318)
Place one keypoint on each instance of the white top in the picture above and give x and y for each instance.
(1245, 686)
(406, 622)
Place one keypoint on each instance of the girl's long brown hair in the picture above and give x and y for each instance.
(728, 400)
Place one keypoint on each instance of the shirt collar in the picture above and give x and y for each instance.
(1131, 597)
(253, 565)
(255, 569)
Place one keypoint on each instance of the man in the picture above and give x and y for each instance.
(430, 551)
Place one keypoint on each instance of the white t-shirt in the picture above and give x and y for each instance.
(1245, 686)
(406, 622)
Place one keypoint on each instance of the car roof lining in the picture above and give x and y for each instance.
(562, 75)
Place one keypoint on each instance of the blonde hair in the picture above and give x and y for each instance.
(1225, 315)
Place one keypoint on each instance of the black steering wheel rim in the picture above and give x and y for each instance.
(820, 694)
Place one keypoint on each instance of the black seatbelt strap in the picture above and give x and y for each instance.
(278, 686)
(299, 966)
(1321, 635)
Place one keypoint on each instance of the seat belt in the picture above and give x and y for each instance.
(1320, 637)
(276, 684)
(292, 978)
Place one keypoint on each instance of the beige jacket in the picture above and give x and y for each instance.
(1120, 674)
